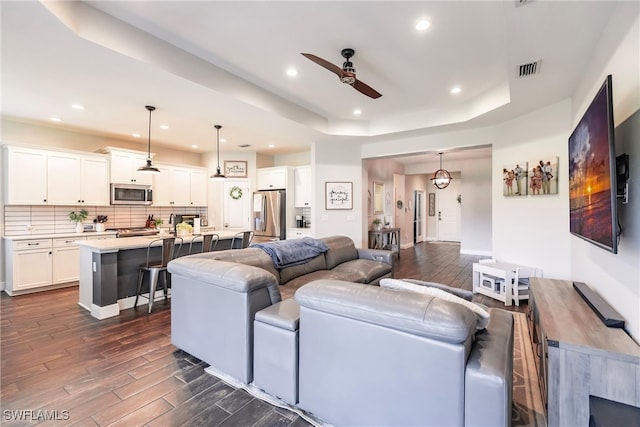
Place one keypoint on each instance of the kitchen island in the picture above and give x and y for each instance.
(109, 270)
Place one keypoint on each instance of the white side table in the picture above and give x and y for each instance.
(501, 271)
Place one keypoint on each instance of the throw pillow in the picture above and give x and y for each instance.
(482, 315)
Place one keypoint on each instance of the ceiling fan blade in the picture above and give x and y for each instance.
(324, 63)
(366, 89)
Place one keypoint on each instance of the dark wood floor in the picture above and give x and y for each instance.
(58, 361)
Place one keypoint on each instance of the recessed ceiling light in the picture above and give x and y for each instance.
(292, 72)
(194, 146)
(271, 146)
(223, 140)
(357, 111)
(135, 135)
(77, 107)
(164, 127)
(456, 90)
(422, 25)
(55, 119)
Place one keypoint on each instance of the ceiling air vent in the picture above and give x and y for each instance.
(529, 69)
(244, 145)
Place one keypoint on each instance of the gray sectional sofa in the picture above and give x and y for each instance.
(346, 352)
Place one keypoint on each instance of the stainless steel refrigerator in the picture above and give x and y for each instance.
(269, 214)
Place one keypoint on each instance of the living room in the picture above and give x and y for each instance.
(531, 230)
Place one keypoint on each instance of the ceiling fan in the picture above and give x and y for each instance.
(347, 73)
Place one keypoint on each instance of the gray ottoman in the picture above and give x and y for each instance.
(275, 350)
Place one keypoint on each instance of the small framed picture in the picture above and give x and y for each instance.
(338, 195)
(543, 176)
(235, 169)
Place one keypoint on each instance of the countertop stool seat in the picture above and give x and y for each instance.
(154, 268)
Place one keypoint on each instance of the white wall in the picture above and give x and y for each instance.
(338, 162)
(616, 277)
(533, 230)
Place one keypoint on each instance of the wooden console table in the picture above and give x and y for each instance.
(577, 355)
(385, 238)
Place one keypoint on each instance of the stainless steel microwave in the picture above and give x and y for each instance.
(131, 194)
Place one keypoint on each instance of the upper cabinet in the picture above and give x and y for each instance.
(42, 177)
(124, 168)
(179, 186)
(272, 178)
(302, 186)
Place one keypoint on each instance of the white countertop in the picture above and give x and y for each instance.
(60, 235)
(116, 244)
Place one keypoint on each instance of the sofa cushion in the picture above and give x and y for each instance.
(341, 249)
(459, 292)
(349, 276)
(249, 256)
(368, 270)
(481, 313)
(414, 313)
(290, 273)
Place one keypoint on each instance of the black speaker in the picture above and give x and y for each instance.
(622, 172)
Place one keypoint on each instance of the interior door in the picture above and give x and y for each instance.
(236, 209)
(449, 212)
(418, 216)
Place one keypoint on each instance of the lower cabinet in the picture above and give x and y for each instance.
(40, 263)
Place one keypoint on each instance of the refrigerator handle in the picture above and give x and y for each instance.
(264, 213)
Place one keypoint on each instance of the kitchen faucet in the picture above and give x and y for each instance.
(171, 218)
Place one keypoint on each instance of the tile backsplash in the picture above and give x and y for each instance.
(33, 220)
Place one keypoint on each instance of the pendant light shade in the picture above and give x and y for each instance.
(218, 175)
(441, 178)
(149, 168)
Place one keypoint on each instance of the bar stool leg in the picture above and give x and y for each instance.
(153, 284)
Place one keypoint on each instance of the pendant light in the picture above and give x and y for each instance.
(149, 168)
(441, 178)
(218, 175)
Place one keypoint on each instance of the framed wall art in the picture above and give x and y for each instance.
(235, 168)
(514, 179)
(543, 176)
(338, 195)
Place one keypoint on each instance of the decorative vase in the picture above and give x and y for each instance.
(79, 227)
(100, 227)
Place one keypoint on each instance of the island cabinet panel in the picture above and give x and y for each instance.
(577, 356)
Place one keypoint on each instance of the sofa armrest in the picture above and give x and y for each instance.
(379, 255)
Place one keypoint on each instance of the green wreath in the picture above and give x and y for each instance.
(235, 193)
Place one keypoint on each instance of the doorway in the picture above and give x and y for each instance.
(449, 212)
(236, 212)
(419, 224)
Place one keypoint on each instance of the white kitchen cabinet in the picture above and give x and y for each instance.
(199, 187)
(41, 263)
(29, 264)
(124, 168)
(25, 176)
(272, 178)
(302, 187)
(44, 177)
(180, 186)
(66, 260)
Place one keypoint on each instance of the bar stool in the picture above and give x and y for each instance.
(154, 268)
(244, 237)
(209, 242)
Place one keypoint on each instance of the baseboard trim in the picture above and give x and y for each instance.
(105, 312)
(475, 252)
(113, 310)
